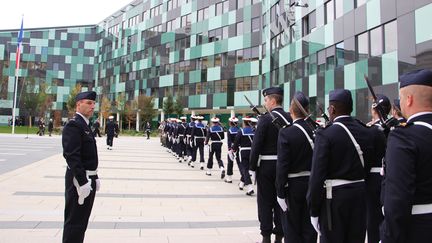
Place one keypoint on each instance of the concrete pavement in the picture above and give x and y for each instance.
(145, 196)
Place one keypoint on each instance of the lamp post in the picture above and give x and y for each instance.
(137, 120)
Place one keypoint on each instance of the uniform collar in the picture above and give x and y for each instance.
(340, 117)
(85, 118)
(418, 114)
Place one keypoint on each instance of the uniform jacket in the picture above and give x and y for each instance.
(231, 134)
(215, 133)
(243, 139)
(79, 148)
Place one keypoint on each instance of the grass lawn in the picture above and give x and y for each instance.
(18, 130)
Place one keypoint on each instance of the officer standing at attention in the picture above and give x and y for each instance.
(231, 134)
(340, 151)
(408, 181)
(263, 162)
(215, 137)
(295, 148)
(110, 132)
(80, 152)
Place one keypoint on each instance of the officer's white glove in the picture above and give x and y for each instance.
(282, 204)
(253, 176)
(231, 155)
(315, 224)
(97, 185)
(83, 191)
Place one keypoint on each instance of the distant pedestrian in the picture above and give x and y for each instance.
(50, 127)
(148, 129)
(110, 132)
(96, 129)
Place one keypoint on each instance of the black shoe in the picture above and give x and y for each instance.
(223, 174)
(278, 239)
(266, 239)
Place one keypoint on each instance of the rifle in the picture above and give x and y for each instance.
(323, 114)
(253, 107)
(381, 113)
(312, 124)
(275, 120)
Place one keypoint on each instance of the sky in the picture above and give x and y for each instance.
(51, 13)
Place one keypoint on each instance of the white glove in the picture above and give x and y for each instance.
(83, 191)
(315, 224)
(97, 184)
(253, 176)
(282, 204)
(231, 155)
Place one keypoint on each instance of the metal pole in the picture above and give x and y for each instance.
(14, 102)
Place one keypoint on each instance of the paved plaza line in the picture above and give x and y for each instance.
(143, 179)
(131, 225)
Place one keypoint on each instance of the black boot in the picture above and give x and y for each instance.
(266, 239)
(278, 239)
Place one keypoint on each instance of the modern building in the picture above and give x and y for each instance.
(211, 53)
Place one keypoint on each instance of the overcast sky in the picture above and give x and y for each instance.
(48, 13)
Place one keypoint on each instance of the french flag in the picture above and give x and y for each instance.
(18, 51)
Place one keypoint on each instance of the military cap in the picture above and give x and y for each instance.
(246, 118)
(418, 77)
(302, 98)
(233, 119)
(272, 90)
(384, 102)
(199, 117)
(86, 95)
(215, 119)
(341, 95)
(111, 117)
(396, 102)
(254, 120)
(182, 118)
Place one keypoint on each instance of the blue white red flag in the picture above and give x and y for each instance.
(18, 51)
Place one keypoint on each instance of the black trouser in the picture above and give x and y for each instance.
(110, 139)
(181, 148)
(296, 222)
(419, 229)
(76, 216)
(348, 208)
(189, 148)
(148, 134)
(168, 142)
(230, 165)
(97, 132)
(215, 149)
(244, 166)
(198, 144)
(373, 206)
(268, 208)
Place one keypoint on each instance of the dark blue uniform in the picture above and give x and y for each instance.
(231, 134)
(242, 147)
(80, 152)
(187, 133)
(110, 132)
(408, 183)
(215, 136)
(335, 159)
(263, 160)
(181, 147)
(198, 135)
(293, 170)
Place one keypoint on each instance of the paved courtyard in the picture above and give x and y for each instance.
(145, 196)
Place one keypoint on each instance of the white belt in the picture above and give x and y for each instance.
(375, 170)
(181, 135)
(268, 157)
(217, 141)
(329, 184)
(421, 209)
(91, 172)
(299, 174)
(245, 148)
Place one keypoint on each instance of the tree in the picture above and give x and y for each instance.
(70, 104)
(168, 106)
(44, 99)
(178, 106)
(120, 105)
(146, 105)
(105, 108)
(130, 112)
(30, 98)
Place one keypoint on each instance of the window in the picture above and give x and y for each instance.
(376, 41)
(185, 20)
(390, 36)
(240, 4)
(219, 9)
(362, 46)
(329, 11)
(256, 24)
(239, 28)
(339, 8)
(226, 6)
(340, 54)
(360, 2)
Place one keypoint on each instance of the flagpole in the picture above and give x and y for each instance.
(14, 102)
(17, 59)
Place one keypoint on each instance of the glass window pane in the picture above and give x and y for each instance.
(376, 41)
(340, 54)
(329, 11)
(360, 2)
(240, 28)
(362, 44)
(339, 8)
(390, 36)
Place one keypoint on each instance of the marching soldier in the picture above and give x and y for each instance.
(231, 134)
(215, 136)
(242, 147)
(374, 215)
(263, 163)
(189, 143)
(198, 135)
(110, 132)
(181, 128)
(408, 184)
(80, 152)
(295, 148)
(338, 209)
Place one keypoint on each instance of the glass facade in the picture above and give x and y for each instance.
(212, 53)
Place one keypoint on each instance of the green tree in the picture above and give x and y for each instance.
(178, 106)
(44, 99)
(30, 98)
(130, 112)
(146, 105)
(120, 106)
(168, 106)
(70, 104)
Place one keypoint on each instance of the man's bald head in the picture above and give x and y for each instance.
(415, 98)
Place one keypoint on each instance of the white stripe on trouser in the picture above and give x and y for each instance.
(299, 174)
(329, 184)
(421, 209)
